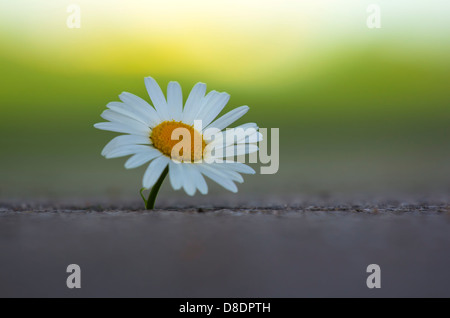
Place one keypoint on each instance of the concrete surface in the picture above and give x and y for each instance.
(285, 251)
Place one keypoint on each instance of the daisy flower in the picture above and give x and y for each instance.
(152, 135)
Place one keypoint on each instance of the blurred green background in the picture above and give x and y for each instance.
(359, 110)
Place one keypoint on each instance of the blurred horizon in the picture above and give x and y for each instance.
(358, 109)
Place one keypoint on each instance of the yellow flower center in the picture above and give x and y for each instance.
(178, 141)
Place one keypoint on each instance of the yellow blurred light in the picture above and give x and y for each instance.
(245, 40)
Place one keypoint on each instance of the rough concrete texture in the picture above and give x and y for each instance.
(293, 250)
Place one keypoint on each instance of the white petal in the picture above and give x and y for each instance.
(115, 117)
(123, 128)
(189, 179)
(142, 157)
(125, 110)
(239, 150)
(140, 107)
(230, 173)
(176, 175)
(175, 100)
(214, 107)
(247, 136)
(197, 111)
(154, 170)
(157, 97)
(199, 180)
(248, 125)
(123, 140)
(125, 150)
(239, 167)
(193, 102)
(134, 100)
(254, 137)
(217, 177)
(230, 136)
(229, 118)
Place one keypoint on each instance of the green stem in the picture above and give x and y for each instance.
(150, 202)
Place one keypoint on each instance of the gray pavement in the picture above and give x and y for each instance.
(291, 250)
